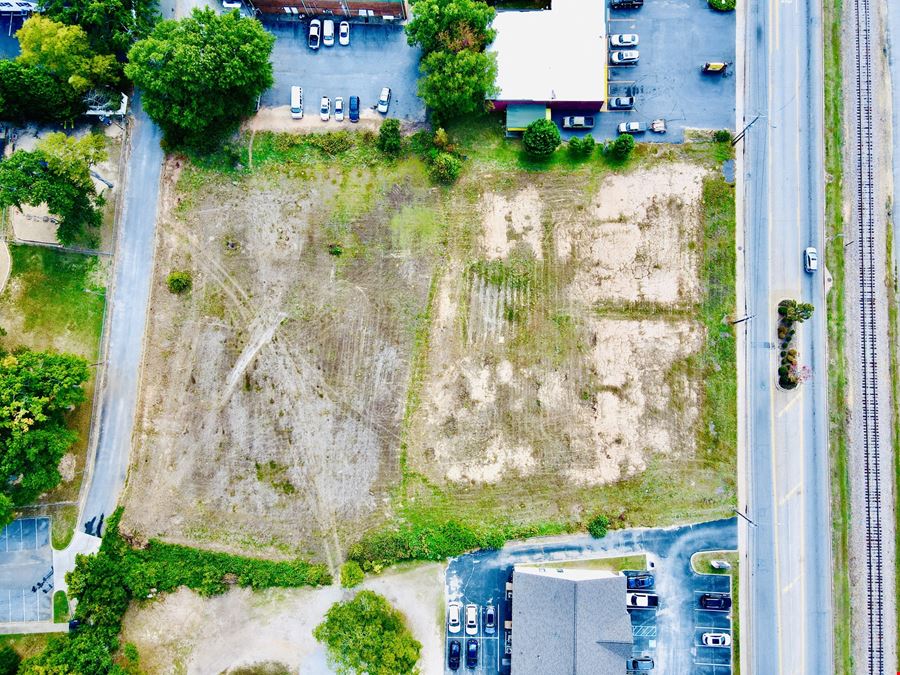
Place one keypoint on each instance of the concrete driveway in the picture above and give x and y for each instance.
(668, 635)
(676, 38)
(26, 582)
(376, 57)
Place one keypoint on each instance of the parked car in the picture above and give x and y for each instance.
(297, 103)
(631, 128)
(384, 100)
(354, 108)
(315, 33)
(658, 126)
(471, 619)
(620, 103)
(642, 600)
(639, 581)
(344, 33)
(624, 58)
(640, 664)
(624, 40)
(231, 4)
(471, 653)
(454, 610)
(625, 4)
(716, 639)
(720, 564)
(490, 620)
(810, 259)
(715, 67)
(328, 33)
(716, 601)
(325, 109)
(339, 109)
(453, 653)
(578, 122)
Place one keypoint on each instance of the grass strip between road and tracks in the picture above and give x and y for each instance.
(836, 323)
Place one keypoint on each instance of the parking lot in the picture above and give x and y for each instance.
(9, 46)
(676, 39)
(377, 56)
(671, 635)
(26, 585)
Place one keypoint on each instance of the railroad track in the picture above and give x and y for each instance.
(868, 280)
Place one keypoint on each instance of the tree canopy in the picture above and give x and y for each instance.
(34, 94)
(455, 84)
(367, 635)
(58, 176)
(450, 25)
(65, 52)
(36, 390)
(111, 25)
(541, 138)
(201, 75)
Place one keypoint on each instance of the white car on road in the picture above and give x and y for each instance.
(810, 259)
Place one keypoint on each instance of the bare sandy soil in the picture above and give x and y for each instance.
(185, 633)
(279, 119)
(274, 393)
(540, 369)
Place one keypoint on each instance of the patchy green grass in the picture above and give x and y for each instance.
(60, 607)
(838, 411)
(612, 564)
(63, 520)
(55, 301)
(700, 563)
(26, 644)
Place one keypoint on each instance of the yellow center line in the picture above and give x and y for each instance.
(787, 589)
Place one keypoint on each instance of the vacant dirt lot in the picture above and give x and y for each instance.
(183, 633)
(349, 322)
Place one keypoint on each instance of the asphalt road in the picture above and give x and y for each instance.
(789, 549)
(127, 315)
(481, 577)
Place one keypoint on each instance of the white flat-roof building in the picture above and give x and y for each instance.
(556, 58)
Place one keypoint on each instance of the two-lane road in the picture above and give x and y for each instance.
(788, 597)
(127, 315)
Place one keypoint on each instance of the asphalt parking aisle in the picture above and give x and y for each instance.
(26, 571)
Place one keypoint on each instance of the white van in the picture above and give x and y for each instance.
(328, 33)
(297, 103)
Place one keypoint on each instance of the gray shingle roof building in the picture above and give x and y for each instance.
(569, 622)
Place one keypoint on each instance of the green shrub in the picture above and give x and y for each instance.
(351, 574)
(541, 138)
(335, 142)
(9, 660)
(598, 526)
(722, 5)
(622, 147)
(389, 139)
(445, 168)
(722, 136)
(179, 281)
(581, 147)
(367, 635)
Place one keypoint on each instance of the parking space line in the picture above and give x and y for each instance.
(718, 629)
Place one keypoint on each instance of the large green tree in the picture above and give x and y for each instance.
(367, 635)
(456, 83)
(200, 76)
(450, 25)
(65, 51)
(36, 390)
(38, 177)
(34, 94)
(112, 26)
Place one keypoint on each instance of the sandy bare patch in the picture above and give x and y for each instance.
(184, 633)
(67, 467)
(34, 223)
(510, 220)
(279, 381)
(526, 379)
(635, 243)
(279, 119)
